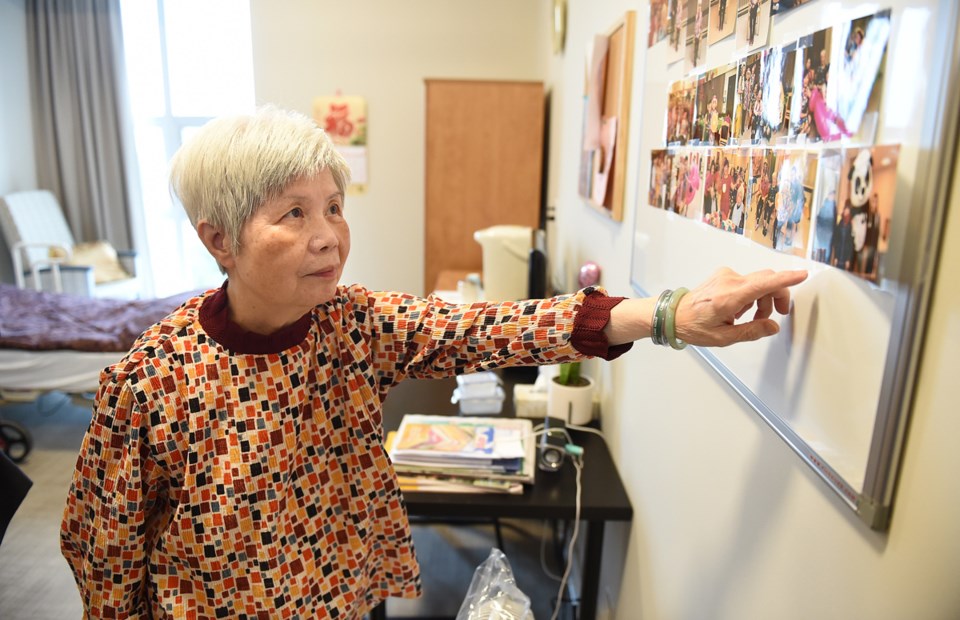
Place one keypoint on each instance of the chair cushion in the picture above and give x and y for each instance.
(102, 257)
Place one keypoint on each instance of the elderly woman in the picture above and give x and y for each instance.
(234, 466)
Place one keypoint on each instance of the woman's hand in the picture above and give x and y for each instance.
(707, 315)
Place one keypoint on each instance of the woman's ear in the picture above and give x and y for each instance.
(216, 243)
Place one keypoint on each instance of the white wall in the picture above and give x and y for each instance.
(17, 168)
(728, 522)
(383, 50)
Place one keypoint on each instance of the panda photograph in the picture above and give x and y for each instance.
(864, 208)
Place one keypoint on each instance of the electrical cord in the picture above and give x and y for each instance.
(578, 464)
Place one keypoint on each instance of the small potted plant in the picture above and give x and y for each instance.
(570, 395)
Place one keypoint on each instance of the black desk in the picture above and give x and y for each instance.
(552, 496)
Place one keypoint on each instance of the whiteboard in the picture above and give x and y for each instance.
(835, 383)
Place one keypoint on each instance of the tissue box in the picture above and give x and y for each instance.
(479, 393)
(528, 402)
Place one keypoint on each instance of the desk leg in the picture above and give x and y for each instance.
(591, 571)
(379, 612)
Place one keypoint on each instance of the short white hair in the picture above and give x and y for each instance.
(233, 165)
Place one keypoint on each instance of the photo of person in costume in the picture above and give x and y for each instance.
(867, 189)
(234, 464)
(676, 30)
(696, 33)
(813, 119)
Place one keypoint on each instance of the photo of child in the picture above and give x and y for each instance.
(715, 98)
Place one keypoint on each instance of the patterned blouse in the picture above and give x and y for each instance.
(228, 474)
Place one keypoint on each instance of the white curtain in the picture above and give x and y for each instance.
(84, 134)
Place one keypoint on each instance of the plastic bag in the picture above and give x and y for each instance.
(493, 594)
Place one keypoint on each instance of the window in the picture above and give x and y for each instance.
(187, 61)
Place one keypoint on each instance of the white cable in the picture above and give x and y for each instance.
(543, 562)
(587, 429)
(578, 463)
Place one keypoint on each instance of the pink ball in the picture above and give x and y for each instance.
(589, 274)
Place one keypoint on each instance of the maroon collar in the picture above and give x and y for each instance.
(215, 321)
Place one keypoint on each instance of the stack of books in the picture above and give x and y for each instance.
(451, 454)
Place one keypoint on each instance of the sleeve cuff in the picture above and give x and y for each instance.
(594, 314)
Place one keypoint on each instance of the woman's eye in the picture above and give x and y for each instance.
(335, 209)
(295, 212)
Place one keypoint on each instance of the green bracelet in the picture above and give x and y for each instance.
(659, 315)
(670, 323)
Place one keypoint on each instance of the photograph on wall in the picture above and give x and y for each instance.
(681, 100)
(779, 7)
(658, 22)
(867, 189)
(825, 205)
(676, 30)
(661, 163)
(761, 216)
(857, 84)
(727, 189)
(812, 120)
(753, 24)
(697, 16)
(723, 18)
(748, 104)
(716, 92)
(345, 121)
(796, 175)
(687, 182)
(777, 93)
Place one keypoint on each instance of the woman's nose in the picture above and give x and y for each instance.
(324, 237)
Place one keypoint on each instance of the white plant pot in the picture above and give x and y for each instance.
(572, 404)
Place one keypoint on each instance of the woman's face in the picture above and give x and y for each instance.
(292, 251)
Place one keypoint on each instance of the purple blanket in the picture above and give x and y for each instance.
(41, 321)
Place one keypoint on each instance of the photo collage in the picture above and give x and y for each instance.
(780, 146)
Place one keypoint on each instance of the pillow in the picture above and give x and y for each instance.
(102, 257)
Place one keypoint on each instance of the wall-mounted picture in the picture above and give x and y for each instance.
(856, 85)
(753, 24)
(825, 204)
(727, 189)
(748, 106)
(681, 101)
(698, 14)
(676, 30)
(796, 174)
(661, 165)
(723, 19)
(689, 178)
(716, 92)
(812, 120)
(868, 184)
(779, 7)
(778, 86)
(659, 22)
(761, 215)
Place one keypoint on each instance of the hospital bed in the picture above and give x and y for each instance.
(51, 342)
